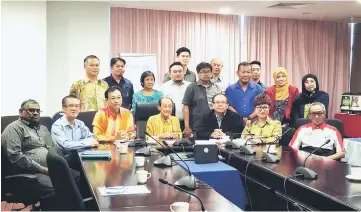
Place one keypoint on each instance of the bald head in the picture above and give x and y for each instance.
(217, 66)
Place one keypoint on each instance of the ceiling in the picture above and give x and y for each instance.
(314, 10)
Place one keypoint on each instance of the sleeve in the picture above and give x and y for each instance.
(59, 136)
(260, 90)
(247, 130)
(131, 94)
(338, 141)
(74, 89)
(228, 95)
(188, 96)
(296, 140)
(324, 99)
(204, 131)
(134, 102)
(99, 128)
(166, 78)
(149, 127)
(130, 123)
(176, 127)
(12, 137)
(276, 133)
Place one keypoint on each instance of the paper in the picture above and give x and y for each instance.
(123, 190)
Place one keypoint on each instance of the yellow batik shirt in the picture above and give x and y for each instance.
(272, 130)
(91, 94)
(157, 126)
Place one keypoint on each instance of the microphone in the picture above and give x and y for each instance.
(236, 144)
(273, 158)
(164, 161)
(306, 172)
(180, 189)
(187, 182)
(182, 141)
(246, 149)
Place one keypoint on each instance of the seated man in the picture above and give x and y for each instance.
(164, 125)
(113, 122)
(70, 133)
(313, 135)
(220, 121)
(27, 143)
(263, 126)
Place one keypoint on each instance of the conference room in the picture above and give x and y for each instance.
(180, 105)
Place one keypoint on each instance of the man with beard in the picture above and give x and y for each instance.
(27, 144)
(256, 74)
(242, 94)
(183, 55)
(70, 133)
(117, 78)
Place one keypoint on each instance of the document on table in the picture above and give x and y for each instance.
(121, 190)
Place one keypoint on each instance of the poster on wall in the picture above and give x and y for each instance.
(136, 64)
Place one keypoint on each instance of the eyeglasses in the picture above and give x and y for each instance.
(205, 72)
(259, 108)
(312, 114)
(32, 110)
(73, 106)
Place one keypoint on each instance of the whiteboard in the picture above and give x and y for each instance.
(136, 64)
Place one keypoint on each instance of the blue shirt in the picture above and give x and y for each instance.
(139, 97)
(127, 89)
(242, 101)
(69, 138)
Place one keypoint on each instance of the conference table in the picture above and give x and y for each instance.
(120, 171)
(266, 181)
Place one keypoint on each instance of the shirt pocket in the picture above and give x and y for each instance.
(126, 91)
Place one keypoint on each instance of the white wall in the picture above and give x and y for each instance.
(23, 55)
(74, 30)
(43, 45)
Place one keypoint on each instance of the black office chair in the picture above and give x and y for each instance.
(57, 116)
(287, 134)
(66, 190)
(6, 120)
(87, 117)
(333, 122)
(143, 112)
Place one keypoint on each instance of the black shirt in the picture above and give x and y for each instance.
(127, 89)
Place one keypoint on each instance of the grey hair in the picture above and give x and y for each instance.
(319, 104)
(27, 102)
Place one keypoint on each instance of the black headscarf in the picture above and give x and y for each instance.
(307, 94)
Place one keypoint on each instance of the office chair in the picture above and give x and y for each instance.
(6, 120)
(333, 122)
(142, 112)
(87, 117)
(57, 116)
(286, 138)
(66, 190)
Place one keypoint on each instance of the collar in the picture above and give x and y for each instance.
(114, 115)
(176, 83)
(64, 122)
(163, 120)
(86, 80)
(218, 79)
(28, 124)
(320, 126)
(121, 80)
(268, 120)
(221, 116)
(199, 82)
(250, 85)
(187, 72)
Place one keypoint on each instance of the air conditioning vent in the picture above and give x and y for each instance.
(289, 5)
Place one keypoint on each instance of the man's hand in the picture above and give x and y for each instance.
(94, 143)
(216, 135)
(121, 135)
(246, 121)
(187, 132)
(44, 170)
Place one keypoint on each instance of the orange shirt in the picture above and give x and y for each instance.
(106, 124)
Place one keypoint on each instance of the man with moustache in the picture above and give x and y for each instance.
(117, 64)
(242, 94)
(256, 73)
(175, 88)
(90, 90)
(27, 144)
(217, 66)
(183, 55)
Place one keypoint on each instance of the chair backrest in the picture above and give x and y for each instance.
(87, 117)
(333, 122)
(142, 112)
(67, 193)
(6, 120)
(57, 115)
(287, 134)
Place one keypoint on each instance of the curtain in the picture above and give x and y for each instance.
(302, 46)
(163, 32)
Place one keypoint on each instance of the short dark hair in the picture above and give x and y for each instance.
(255, 62)
(164, 97)
(90, 57)
(175, 64)
(183, 49)
(219, 94)
(262, 99)
(144, 75)
(243, 64)
(29, 101)
(71, 96)
(111, 89)
(203, 65)
(114, 60)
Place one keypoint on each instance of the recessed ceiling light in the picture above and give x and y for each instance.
(224, 10)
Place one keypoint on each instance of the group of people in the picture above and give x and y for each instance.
(205, 108)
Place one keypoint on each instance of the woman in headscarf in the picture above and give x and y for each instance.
(282, 95)
(310, 93)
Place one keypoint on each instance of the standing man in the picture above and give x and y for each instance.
(256, 74)
(116, 78)
(176, 88)
(242, 94)
(90, 90)
(197, 99)
(183, 55)
(217, 66)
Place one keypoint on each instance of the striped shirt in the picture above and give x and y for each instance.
(310, 135)
(27, 146)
